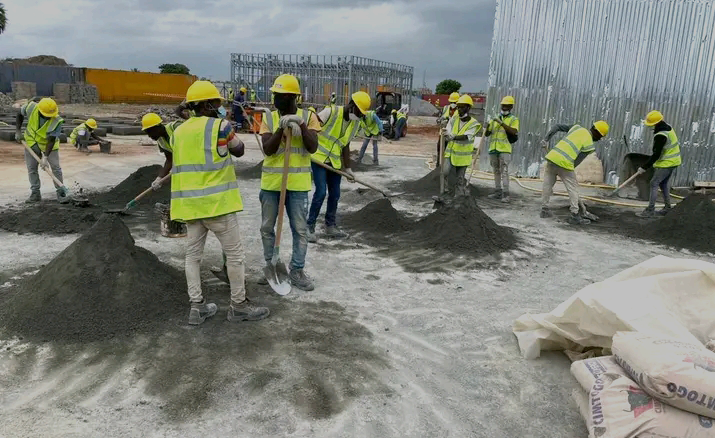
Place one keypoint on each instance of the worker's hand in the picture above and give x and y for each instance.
(351, 175)
(640, 171)
(285, 120)
(43, 163)
(448, 137)
(18, 136)
(156, 184)
(544, 144)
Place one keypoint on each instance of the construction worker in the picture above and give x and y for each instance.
(253, 95)
(372, 127)
(400, 121)
(44, 126)
(459, 137)
(237, 107)
(665, 159)
(205, 195)
(161, 133)
(231, 94)
(561, 161)
(84, 136)
(304, 142)
(447, 113)
(503, 132)
(341, 123)
(333, 99)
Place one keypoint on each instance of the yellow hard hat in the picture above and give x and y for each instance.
(653, 117)
(91, 123)
(394, 110)
(202, 90)
(243, 89)
(362, 100)
(465, 98)
(149, 120)
(48, 107)
(602, 127)
(454, 97)
(508, 100)
(287, 84)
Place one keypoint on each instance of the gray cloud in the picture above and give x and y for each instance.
(445, 39)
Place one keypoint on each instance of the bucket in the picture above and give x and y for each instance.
(105, 147)
(169, 228)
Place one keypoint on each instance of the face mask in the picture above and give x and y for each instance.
(353, 117)
(504, 113)
(221, 112)
(453, 105)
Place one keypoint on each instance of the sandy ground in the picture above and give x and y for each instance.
(389, 344)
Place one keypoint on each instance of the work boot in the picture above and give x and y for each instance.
(298, 279)
(576, 219)
(663, 211)
(334, 232)
(245, 311)
(312, 238)
(200, 311)
(495, 195)
(34, 198)
(376, 162)
(647, 213)
(590, 216)
(545, 213)
(505, 198)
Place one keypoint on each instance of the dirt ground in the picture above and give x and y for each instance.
(392, 342)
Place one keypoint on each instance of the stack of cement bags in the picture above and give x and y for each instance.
(650, 387)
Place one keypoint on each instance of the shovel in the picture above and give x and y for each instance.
(76, 200)
(133, 203)
(628, 181)
(276, 272)
(475, 161)
(438, 201)
(339, 172)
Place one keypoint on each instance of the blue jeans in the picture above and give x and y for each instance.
(237, 114)
(399, 127)
(297, 208)
(364, 148)
(324, 180)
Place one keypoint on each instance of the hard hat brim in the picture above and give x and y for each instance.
(651, 124)
(52, 114)
(283, 91)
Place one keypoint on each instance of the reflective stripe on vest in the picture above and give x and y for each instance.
(203, 183)
(170, 128)
(332, 139)
(498, 141)
(299, 171)
(401, 116)
(36, 134)
(75, 132)
(577, 140)
(460, 151)
(670, 157)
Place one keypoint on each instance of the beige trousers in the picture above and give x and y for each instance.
(568, 177)
(226, 230)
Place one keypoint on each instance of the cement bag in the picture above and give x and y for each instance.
(618, 408)
(675, 372)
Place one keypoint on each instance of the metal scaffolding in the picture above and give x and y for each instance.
(321, 75)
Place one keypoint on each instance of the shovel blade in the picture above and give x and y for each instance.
(277, 276)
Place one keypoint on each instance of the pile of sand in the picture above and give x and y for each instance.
(253, 172)
(100, 286)
(377, 217)
(691, 224)
(132, 186)
(428, 185)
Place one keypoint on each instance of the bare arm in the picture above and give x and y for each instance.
(180, 111)
(310, 138)
(50, 144)
(271, 142)
(557, 128)
(238, 150)
(167, 164)
(345, 155)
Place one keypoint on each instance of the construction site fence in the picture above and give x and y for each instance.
(115, 86)
(577, 61)
(44, 76)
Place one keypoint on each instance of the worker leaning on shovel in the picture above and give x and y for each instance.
(459, 136)
(304, 142)
(561, 161)
(205, 195)
(161, 133)
(447, 113)
(44, 126)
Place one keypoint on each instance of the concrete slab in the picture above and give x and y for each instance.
(127, 130)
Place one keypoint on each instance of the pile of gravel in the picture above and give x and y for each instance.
(691, 224)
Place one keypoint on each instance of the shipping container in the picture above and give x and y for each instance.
(577, 61)
(115, 86)
(44, 76)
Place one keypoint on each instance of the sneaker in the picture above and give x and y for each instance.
(575, 219)
(298, 279)
(545, 213)
(200, 311)
(245, 311)
(312, 238)
(334, 232)
(34, 197)
(590, 216)
(663, 211)
(647, 213)
(495, 195)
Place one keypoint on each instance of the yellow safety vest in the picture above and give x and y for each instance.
(369, 125)
(170, 128)
(498, 140)
(203, 183)
(401, 116)
(75, 132)
(448, 111)
(36, 134)
(577, 140)
(299, 176)
(460, 152)
(336, 135)
(670, 157)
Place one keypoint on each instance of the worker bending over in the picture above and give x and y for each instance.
(459, 137)
(341, 123)
(502, 131)
(563, 159)
(447, 113)
(161, 133)
(665, 159)
(399, 121)
(372, 127)
(84, 136)
(304, 142)
(42, 135)
(205, 195)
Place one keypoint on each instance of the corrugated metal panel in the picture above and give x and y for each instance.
(576, 61)
(138, 87)
(6, 77)
(44, 76)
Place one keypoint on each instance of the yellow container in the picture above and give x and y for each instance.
(115, 86)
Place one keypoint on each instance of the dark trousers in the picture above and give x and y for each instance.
(399, 126)
(328, 182)
(661, 179)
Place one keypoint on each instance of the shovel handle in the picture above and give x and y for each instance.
(284, 186)
(441, 162)
(476, 157)
(339, 172)
(49, 171)
(628, 181)
(253, 122)
(149, 190)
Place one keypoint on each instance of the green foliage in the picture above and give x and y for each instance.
(448, 86)
(3, 18)
(174, 68)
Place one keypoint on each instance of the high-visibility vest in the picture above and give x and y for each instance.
(369, 124)
(460, 152)
(253, 96)
(401, 116)
(336, 134)
(670, 157)
(498, 140)
(203, 183)
(75, 132)
(448, 111)
(577, 140)
(231, 94)
(299, 176)
(170, 128)
(36, 134)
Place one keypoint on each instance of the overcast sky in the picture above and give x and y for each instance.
(445, 38)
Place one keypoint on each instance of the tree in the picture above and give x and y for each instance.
(448, 86)
(180, 69)
(3, 18)
(135, 69)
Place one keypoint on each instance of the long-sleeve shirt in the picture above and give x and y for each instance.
(470, 133)
(659, 142)
(566, 128)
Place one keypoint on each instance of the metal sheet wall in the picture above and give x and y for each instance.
(44, 76)
(576, 61)
(138, 87)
